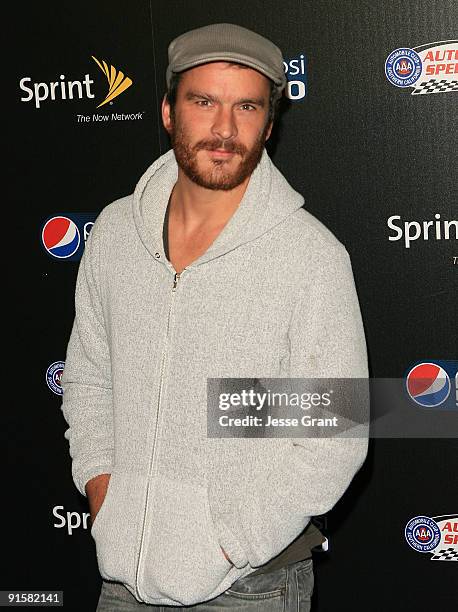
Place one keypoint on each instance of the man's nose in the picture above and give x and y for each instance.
(224, 125)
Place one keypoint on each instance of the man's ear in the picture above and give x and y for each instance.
(269, 130)
(166, 118)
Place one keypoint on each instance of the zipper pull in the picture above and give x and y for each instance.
(175, 281)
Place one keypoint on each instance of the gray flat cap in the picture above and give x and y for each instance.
(226, 42)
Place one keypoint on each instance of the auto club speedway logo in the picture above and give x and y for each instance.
(437, 535)
(434, 384)
(429, 69)
(63, 89)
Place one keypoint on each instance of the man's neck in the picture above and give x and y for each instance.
(196, 208)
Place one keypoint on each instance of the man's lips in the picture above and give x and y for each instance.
(220, 153)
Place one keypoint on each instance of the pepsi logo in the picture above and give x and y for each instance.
(428, 384)
(296, 76)
(61, 237)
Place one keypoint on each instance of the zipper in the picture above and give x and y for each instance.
(176, 278)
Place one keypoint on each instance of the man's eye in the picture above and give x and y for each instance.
(203, 102)
(247, 107)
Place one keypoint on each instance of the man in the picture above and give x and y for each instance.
(210, 269)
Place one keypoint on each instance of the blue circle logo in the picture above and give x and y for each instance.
(422, 534)
(53, 376)
(403, 67)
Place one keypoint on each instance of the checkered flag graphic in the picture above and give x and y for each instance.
(445, 554)
(434, 86)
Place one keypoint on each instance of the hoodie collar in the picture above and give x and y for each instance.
(268, 199)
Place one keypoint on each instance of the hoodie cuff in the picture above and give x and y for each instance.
(90, 472)
(230, 544)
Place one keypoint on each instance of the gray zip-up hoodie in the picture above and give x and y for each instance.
(273, 296)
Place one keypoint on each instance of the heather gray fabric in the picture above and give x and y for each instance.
(229, 43)
(301, 547)
(273, 296)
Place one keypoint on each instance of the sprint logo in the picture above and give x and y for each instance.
(63, 89)
(117, 82)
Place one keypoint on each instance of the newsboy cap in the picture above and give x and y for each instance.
(226, 42)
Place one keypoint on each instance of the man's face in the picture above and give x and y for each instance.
(219, 126)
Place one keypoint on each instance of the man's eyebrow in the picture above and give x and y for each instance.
(192, 95)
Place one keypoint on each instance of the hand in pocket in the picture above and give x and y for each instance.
(96, 490)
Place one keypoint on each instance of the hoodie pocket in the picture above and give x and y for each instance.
(117, 525)
(183, 560)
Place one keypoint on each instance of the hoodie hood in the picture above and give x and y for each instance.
(268, 199)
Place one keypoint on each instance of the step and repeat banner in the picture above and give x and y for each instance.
(367, 135)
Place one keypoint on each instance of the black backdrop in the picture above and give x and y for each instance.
(358, 148)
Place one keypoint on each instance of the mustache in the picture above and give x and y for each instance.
(230, 147)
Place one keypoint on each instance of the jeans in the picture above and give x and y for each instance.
(288, 589)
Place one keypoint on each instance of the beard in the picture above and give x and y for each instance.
(218, 177)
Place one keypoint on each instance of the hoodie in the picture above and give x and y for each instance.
(273, 296)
